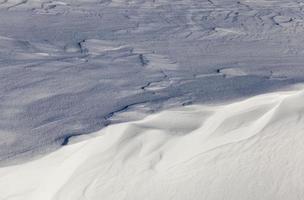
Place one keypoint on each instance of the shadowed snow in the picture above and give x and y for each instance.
(68, 67)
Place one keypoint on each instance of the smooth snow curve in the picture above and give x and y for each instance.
(250, 150)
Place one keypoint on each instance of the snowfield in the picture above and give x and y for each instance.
(68, 68)
(251, 149)
(151, 99)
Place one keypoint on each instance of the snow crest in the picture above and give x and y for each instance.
(252, 149)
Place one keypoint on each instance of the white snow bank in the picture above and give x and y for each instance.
(251, 149)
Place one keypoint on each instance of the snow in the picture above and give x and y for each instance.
(151, 99)
(252, 149)
(69, 67)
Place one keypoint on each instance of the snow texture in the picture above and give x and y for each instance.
(69, 68)
(250, 150)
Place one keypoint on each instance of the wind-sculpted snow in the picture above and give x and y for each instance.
(67, 68)
(252, 149)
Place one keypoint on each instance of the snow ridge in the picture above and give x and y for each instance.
(193, 152)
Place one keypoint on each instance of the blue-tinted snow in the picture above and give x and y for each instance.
(68, 67)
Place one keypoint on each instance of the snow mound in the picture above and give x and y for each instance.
(251, 149)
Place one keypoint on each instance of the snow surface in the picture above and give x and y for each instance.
(67, 68)
(151, 99)
(252, 149)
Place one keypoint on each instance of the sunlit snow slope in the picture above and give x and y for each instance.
(250, 150)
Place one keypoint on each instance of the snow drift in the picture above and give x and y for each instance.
(251, 149)
(68, 67)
